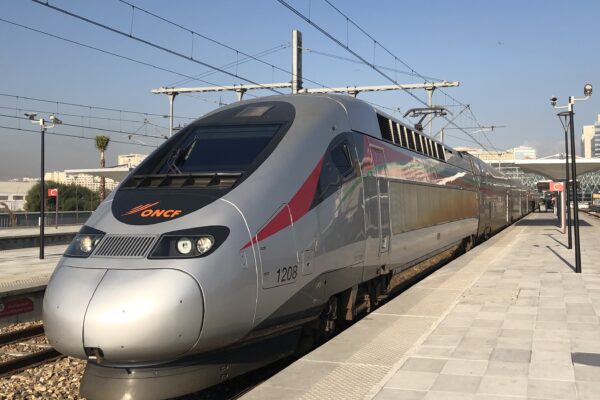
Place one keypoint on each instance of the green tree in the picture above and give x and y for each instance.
(70, 198)
(101, 146)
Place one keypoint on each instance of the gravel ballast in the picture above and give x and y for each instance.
(56, 380)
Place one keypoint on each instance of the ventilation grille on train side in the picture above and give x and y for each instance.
(128, 246)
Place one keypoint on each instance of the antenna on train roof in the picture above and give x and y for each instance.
(433, 111)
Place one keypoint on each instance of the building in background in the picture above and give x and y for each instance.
(130, 160)
(88, 181)
(524, 153)
(596, 146)
(504, 161)
(13, 194)
(92, 181)
(517, 153)
(587, 138)
(590, 140)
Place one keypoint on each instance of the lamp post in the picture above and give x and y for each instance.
(587, 92)
(44, 125)
(566, 116)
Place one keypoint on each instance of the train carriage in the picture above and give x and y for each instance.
(262, 220)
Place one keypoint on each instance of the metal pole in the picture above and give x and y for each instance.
(574, 188)
(56, 214)
(42, 193)
(566, 189)
(563, 202)
(296, 61)
(429, 104)
(171, 100)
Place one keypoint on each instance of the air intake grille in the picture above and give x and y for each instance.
(128, 246)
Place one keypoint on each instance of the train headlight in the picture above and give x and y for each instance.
(184, 246)
(189, 243)
(204, 244)
(84, 242)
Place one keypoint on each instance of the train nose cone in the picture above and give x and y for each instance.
(144, 315)
(65, 301)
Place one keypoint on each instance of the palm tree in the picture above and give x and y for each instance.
(101, 145)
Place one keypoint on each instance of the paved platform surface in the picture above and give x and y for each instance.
(21, 269)
(32, 231)
(508, 320)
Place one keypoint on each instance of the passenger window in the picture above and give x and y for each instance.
(396, 131)
(440, 150)
(418, 142)
(341, 159)
(337, 169)
(385, 128)
(402, 131)
(411, 140)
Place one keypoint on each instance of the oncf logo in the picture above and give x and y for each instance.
(147, 211)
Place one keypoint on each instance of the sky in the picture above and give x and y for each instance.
(509, 56)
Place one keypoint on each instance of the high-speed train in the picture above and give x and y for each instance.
(255, 224)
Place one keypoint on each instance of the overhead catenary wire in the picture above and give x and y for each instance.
(341, 58)
(191, 58)
(71, 136)
(361, 58)
(95, 128)
(152, 44)
(59, 113)
(376, 42)
(87, 106)
(147, 64)
(212, 40)
(396, 58)
(231, 64)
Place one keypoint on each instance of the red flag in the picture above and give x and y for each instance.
(52, 192)
(556, 186)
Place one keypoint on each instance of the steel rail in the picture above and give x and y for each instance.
(29, 361)
(21, 334)
(19, 364)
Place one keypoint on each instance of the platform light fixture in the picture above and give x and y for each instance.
(44, 125)
(587, 92)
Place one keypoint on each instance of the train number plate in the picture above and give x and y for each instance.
(280, 276)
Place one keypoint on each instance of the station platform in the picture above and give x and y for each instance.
(23, 280)
(508, 320)
(22, 271)
(17, 238)
(34, 230)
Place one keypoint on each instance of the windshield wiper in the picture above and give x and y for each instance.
(181, 155)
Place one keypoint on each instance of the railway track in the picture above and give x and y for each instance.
(16, 362)
(594, 211)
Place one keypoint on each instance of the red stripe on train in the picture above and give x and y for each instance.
(299, 205)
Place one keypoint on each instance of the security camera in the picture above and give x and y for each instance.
(587, 90)
(553, 100)
(30, 115)
(55, 120)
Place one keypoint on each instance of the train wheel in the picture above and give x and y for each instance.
(468, 244)
(487, 234)
(321, 329)
(324, 327)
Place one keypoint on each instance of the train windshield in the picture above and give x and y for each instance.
(218, 149)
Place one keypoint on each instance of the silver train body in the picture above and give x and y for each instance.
(296, 199)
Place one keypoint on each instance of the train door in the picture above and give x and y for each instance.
(278, 255)
(508, 207)
(383, 198)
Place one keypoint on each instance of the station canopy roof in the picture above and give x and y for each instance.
(117, 173)
(554, 169)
